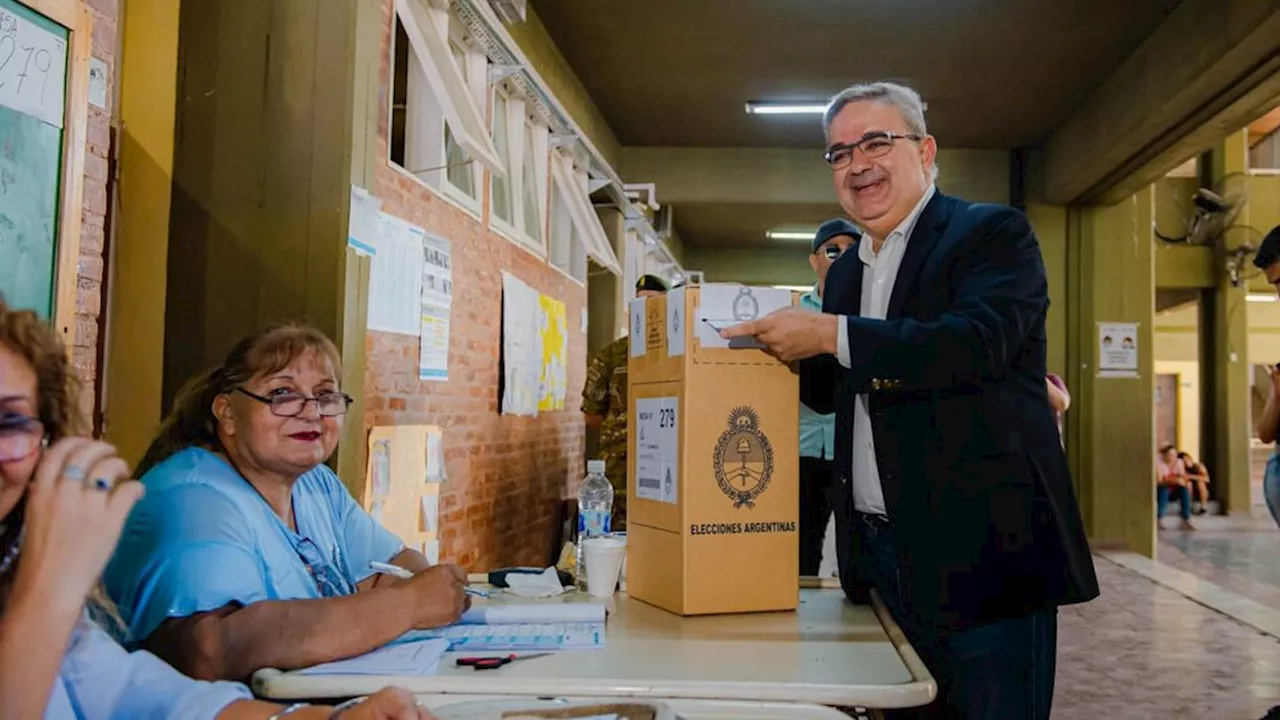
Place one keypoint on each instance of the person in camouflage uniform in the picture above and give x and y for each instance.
(604, 402)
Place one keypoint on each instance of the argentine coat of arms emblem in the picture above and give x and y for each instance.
(743, 458)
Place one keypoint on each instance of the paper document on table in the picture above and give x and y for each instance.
(534, 613)
(523, 636)
(722, 305)
(420, 657)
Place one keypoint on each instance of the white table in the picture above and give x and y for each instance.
(827, 653)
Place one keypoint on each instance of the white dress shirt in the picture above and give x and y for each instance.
(879, 272)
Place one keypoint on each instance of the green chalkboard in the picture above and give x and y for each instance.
(30, 162)
(30, 156)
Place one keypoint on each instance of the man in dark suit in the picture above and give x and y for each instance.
(958, 507)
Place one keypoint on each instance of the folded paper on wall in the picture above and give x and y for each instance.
(521, 347)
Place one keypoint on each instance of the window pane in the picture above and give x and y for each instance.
(561, 237)
(459, 57)
(532, 206)
(459, 171)
(501, 186)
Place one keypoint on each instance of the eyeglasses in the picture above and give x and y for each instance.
(20, 436)
(872, 145)
(291, 404)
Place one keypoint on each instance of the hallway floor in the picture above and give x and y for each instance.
(1153, 646)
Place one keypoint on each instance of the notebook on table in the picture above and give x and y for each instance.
(526, 627)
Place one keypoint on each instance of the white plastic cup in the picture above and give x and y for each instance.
(604, 556)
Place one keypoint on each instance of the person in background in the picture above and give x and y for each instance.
(63, 501)
(1171, 479)
(1268, 260)
(604, 402)
(1059, 400)
(817, 430)
(957, 504)
(1198, 477)
(247, 551)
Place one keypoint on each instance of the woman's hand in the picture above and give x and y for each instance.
(75, 509)
(387, 704)
(438, 596)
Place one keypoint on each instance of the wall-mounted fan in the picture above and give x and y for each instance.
(1211, 222)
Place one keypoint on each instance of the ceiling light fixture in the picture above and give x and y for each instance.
(782, 108)
(791, 234)
(765, 107)
(1259, 297)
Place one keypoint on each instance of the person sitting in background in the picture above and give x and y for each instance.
(63, 501)
(1171, 479)
(248, 552)
(1198, 477)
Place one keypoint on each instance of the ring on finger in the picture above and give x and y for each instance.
(102, 484)
(74, 473)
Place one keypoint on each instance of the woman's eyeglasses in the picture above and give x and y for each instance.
(291, 404)
(20, 437)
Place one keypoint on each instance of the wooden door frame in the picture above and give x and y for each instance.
(78, 21)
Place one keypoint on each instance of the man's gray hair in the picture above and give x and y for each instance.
(906, 100)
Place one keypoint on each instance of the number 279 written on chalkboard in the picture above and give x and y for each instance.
(33, 65)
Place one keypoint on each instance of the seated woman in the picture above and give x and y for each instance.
(63, 500)
(1171, 479)
(247, 551)
(1198, 477)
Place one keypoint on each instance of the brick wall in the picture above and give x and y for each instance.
(507, 476)
(90, 300)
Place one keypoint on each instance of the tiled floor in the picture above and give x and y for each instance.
(1148, 649)
(1143, 651)
(1153, 646)
(1241, 554)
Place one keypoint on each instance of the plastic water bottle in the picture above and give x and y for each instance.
(595, 509)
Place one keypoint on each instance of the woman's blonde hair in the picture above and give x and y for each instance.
(23, 333)
(191, 422)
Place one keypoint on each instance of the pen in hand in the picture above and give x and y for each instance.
(397, 571)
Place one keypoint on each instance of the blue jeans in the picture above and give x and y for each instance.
(1271, 487)
(1001, 670)
(1181, 492)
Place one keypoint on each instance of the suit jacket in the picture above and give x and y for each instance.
(982, 511)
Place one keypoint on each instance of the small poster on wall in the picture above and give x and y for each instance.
(436, 304)
(1118, 350)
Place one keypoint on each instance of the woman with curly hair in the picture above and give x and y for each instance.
(63, 501)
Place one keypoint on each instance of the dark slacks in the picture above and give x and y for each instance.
(1002, 670)
(816, 496)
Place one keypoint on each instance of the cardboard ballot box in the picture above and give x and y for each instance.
(712, 457)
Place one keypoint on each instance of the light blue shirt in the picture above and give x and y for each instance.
(202, 538)
(817, 432)
(99, 680)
